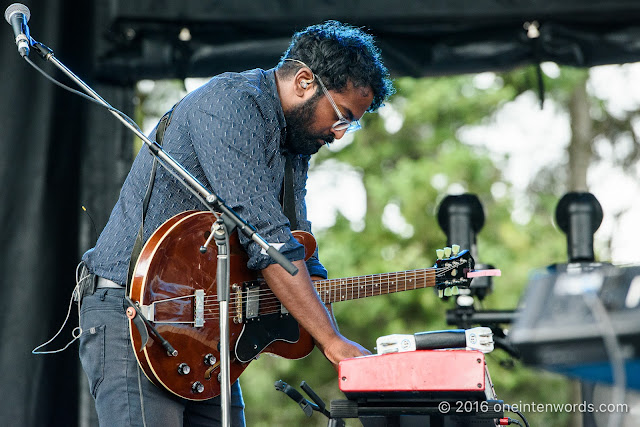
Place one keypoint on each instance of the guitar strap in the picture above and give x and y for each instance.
(288, 199)
(137, 245)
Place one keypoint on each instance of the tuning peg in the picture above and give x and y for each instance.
(455, 290)
(448, 292)
(440, 293)
(440, 253)
(447, 252)
(455, 249)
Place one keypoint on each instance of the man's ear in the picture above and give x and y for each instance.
(302, 81)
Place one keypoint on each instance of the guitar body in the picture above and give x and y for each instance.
(175, 286)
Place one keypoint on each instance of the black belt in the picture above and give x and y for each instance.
(88, 283)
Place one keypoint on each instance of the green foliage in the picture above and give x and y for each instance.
(414, 169)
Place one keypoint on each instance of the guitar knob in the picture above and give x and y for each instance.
(184, 369)
(210, 360)
(197, 387)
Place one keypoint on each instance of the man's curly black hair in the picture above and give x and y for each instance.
(339, 53)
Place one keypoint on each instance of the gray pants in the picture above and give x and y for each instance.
(114, 376)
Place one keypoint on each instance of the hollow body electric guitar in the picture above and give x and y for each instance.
(174, 287)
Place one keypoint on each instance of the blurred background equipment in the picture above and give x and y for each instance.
(583, 317)
(461, 217)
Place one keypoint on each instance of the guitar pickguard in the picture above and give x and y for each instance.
(262, 331)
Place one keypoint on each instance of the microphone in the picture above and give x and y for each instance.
(17, 15)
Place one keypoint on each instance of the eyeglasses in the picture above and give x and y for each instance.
(342, 124)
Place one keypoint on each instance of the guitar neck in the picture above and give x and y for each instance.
(334, 290)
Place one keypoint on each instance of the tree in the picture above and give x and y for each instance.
(409, 157)
(413, 169)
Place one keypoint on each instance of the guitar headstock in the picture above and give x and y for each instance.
(452, 267)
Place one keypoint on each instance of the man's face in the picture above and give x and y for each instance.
(309, 124)
(300, 137)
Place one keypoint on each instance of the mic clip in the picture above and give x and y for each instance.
(42, 50)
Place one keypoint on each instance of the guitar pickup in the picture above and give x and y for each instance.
(252, 300)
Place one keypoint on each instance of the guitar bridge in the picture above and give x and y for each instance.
(198, 318)
(237, 319)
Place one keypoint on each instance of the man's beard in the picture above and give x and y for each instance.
(299, 139)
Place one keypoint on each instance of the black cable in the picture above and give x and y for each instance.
(87, 97)
(514, 421)
(125, 117)
(614, 352)
(95, 229)
(515, 411)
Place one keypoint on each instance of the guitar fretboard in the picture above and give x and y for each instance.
(334, 290)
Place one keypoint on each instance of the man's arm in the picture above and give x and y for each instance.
(328, 305)
(299, 296)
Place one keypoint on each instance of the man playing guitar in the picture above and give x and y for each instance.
(235, 133)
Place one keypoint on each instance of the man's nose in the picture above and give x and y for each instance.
(337, 134)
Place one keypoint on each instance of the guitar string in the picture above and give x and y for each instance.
(365, 280)
(267, 306)
(351, 286)
(270, 304)
(272, 300)
(332, 285)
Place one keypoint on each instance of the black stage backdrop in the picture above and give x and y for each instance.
(58, 153)
(61, 153)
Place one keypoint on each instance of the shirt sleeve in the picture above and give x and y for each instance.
(235, 140)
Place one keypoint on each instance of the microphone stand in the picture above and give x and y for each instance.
(214, 203)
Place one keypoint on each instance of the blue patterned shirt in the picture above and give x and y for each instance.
(229, 134)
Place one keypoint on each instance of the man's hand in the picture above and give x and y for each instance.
(299, 296)
(341, 348)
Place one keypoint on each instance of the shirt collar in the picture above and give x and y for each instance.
(270, 76)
